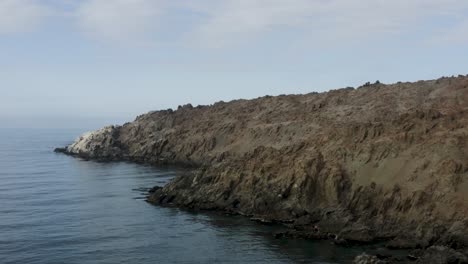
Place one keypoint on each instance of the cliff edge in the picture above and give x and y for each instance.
(377, 163)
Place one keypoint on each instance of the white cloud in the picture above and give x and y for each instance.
(119, 20)
(216, 23)
(230, 21)
(21, 15)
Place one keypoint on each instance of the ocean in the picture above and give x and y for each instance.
(59, 209)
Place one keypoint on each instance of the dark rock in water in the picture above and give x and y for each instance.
(154, 189)
(368, 259)
(378, 163)
(60, 150)
(442, 255)
(341, 242)
(377, 259)
(412, 257)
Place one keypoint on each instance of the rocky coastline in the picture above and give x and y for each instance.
(379, 163)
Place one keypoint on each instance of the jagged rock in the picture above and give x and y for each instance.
(102, 144)
(442, 255)
(368, 259)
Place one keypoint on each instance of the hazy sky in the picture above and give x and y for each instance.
(74, 62)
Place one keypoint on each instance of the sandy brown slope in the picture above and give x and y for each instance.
(378, 162)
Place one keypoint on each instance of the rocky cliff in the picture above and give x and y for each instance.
(380, 162)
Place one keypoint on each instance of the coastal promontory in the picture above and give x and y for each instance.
(377, 163)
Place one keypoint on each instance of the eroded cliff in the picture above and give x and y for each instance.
(381, 162)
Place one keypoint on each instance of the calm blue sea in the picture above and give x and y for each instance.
(58, 209)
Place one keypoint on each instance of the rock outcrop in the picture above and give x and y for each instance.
(102, 144)
(376, 163)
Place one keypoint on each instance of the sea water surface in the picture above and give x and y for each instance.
(59, 209)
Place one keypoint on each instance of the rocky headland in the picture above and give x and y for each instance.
(379, 163)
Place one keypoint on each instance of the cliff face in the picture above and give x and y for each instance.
(378, 162)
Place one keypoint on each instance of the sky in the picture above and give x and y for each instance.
(75, 63)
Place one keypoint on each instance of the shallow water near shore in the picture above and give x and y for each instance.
(59, 209)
